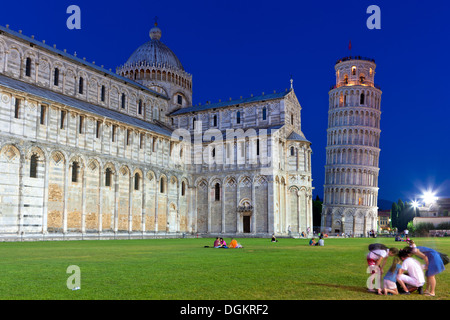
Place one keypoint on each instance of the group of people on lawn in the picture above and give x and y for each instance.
(406, 274)
(221, 243)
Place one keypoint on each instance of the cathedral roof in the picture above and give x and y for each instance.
(154, 52)
(75, 59)
(223, 104)
(297, 136)
(52, 96)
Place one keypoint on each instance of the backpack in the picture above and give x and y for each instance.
(377, 246)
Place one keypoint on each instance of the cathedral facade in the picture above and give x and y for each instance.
(85, 151)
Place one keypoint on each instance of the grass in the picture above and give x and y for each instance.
(179, 269)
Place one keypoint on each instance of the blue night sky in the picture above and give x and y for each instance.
(238, 48)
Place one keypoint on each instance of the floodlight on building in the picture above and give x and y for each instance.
(429, 197)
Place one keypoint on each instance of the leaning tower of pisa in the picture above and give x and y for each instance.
(352, 152)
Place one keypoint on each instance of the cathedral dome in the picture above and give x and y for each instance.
(154, 52)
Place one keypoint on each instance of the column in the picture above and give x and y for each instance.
(158, 185)
(354, 224)
(66, 196)
(237, 203)
(270, 207)
(223, 205)
(83, 199)
(45, 207)
(100, 200)
(253, 217)
(365, 224)
(116, 201)
(298, 212)
(143, 213)
(130, 202)
(343, 223)
(20, 211)
(210, 193)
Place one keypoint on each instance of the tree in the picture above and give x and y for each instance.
(401, 205)
(317, 211)
(394, 215)
(406, 215)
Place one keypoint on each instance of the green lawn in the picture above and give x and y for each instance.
(174, 269)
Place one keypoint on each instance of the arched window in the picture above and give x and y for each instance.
(123, 101)
(80, 85)
(98, 128)
(56, 77)
(353, 70)
(361, 98)
(238, 117)
(33, 166)
(183, 188)
(292, 119)
(217, 192)
(17, 108)
(102, 94)
(75, 169)
(292, 151)
(137, 181)
(193, 123)
(162, 185)
(108, 175)
(264, 113)
(128, 137)
(362, 78)
(215, 120)
(43, 117)
(140, 107)
(28, 67)
(81, 125)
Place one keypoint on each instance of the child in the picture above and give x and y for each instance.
(390, 278)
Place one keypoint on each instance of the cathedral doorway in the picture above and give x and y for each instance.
(246, 224)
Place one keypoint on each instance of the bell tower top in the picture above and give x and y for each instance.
(355, 70)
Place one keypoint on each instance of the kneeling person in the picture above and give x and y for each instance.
(415, 278)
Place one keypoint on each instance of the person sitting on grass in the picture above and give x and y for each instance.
(223, 244)
(313, 242)
(415, 278)
(234, 244)
(274, 239)
(217, 243)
